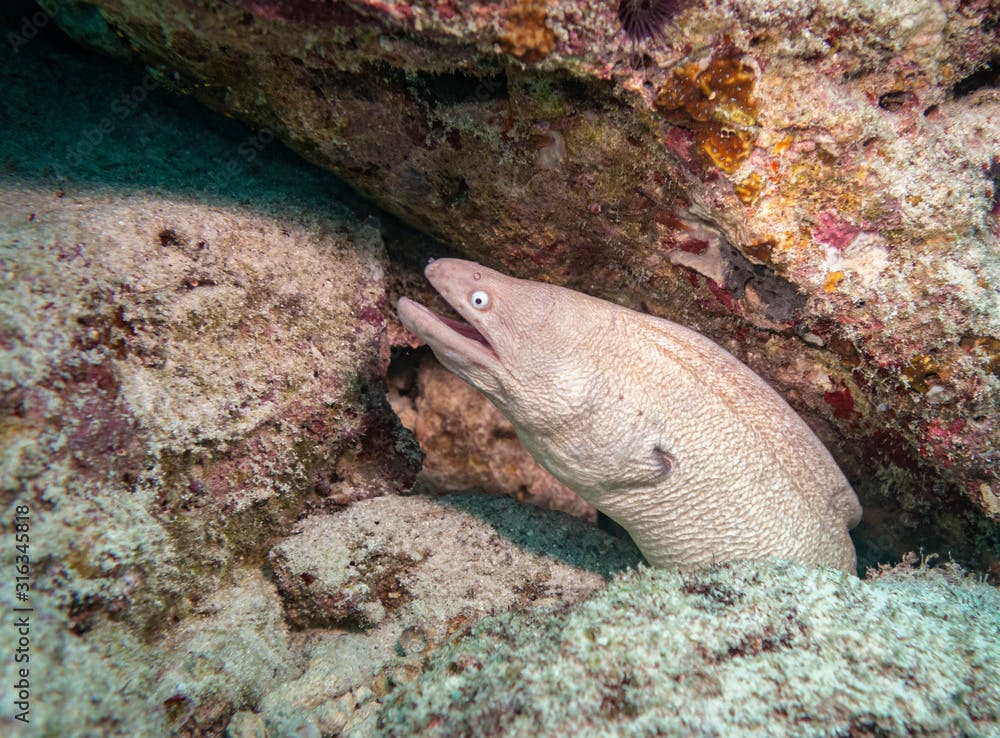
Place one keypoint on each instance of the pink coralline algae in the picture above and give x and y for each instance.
(830, 230)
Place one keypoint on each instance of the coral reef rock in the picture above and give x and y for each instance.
(113, 681)
(814, 185)
(356, 566)
(738, 650)
(193, 354)
(376, 588)
(163, 384)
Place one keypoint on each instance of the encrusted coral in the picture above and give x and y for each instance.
(741, 650)
(748, 189)
(716, 101)
(986, 349)
(525, 33)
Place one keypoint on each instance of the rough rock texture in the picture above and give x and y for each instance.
(357, 566)
(228, 652)
(183, 374)
(162, 381)
(812, 184)
(113, 681)
(739, 650)
(467, 443)
(404, 573)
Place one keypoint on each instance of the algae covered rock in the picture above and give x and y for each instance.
(191, 351)
(112, 681)
(357, 566)
(745, 649)
(166, 399)
(376, 588)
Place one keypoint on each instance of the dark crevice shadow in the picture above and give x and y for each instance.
(75, 120)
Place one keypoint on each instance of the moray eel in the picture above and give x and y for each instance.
(668, 434)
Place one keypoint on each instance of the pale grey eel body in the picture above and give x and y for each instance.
(652, 423)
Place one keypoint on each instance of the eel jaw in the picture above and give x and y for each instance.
(456, 343)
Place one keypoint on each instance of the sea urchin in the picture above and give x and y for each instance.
(644, 19)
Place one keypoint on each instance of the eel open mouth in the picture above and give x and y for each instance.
(440, 331)
(463, 328)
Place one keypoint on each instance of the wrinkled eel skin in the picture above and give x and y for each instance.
(655, 425)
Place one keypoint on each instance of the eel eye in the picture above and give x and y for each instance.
(480, 300)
